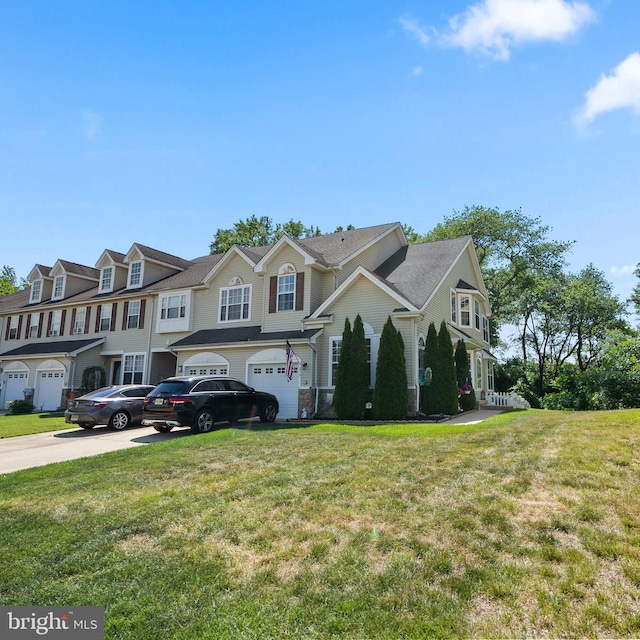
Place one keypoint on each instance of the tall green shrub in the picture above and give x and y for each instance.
(341, 393)
(390, 393)
(358, 372)
(428, 403)
(448, 386)
(92, 378)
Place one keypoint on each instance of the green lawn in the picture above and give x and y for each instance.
(22, 425)
(525, 525)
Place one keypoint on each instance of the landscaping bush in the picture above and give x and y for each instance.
(17, 407)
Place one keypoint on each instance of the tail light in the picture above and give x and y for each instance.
(99, 405)
(147, 400)
(179, 400)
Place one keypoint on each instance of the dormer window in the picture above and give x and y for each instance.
(36, 291)
(135, 275)
(106, 280)
(58, 288)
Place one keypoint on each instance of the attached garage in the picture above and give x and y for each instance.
(15, 380)
(49, 385)
(267, 372)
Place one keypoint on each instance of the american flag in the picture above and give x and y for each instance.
(289, 366)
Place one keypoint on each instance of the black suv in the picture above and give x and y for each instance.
(201, 401)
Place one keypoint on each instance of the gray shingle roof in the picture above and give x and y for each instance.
(242, 335)
(51, 347)
(416, 270)
(80, 269)
(161, 256)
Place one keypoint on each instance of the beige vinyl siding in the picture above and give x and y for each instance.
(206, 302)
(152, 272)
(374, 307)
(88, 358)
(316, 288)
(283, 320)
(75, 285)
(372, 257)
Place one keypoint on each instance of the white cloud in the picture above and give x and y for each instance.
(626, 270)
(413, 27)
(493, 27)
(92, 124)
(620, 90)
(416, 71)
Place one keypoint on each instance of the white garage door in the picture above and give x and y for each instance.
(48, 394)
(272, 378)
(14, 384)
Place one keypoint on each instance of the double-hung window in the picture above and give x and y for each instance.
(12, 333)
(485, 329)
(465, 311)
(36, 291)
(173, 307)
(34, 325)
(235, 303)
(106, 280)
(135, 274)
(133, 368)
(79, 320)
(286, 291)
(105, 317)
(454, 307)
(133, 314)
(58, 288)
(56, 323)
(476, 309)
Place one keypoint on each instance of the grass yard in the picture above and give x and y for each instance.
(525, 525)
(26, 424)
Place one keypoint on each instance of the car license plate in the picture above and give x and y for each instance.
(158, 401)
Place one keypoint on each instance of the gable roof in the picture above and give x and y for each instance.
(410, 276)
(80, 270)
(415, 271)
(150, 253)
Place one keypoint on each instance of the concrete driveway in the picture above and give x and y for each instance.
(23, 452)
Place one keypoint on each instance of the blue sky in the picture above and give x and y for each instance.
(160, 122)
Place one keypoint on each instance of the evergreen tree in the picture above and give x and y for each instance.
(448, 387)
(390, 394)
(358, 372)
(341, 393)
(428, 401)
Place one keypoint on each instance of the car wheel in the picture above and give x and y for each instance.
(203, 422)
(119, 420)
(269, 412)
(161, 428)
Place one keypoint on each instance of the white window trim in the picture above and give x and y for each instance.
(105, 317)
(137, 285)
(286, 270)
(168, 325)
(477, 315)
(243, 288)
(486, 335)
(134, 304)
(374, 346)
(34, 324)
(63, 280)
(36, 296)
(56, 323)
(461, 297)
(108, 289)
(453, 306)
(133, 356)
(79, 321)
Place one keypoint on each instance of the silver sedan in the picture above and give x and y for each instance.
(117, 406)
